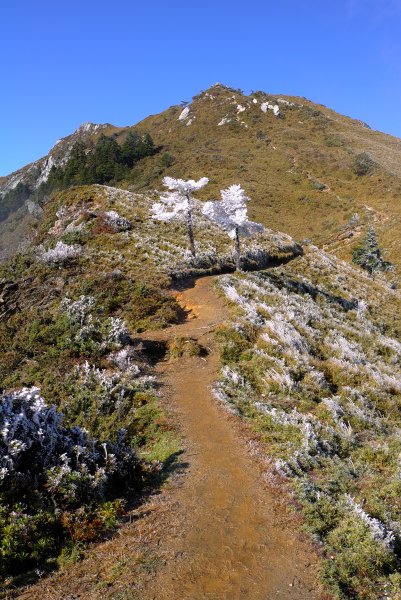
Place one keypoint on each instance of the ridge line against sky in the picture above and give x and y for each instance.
(70, 62)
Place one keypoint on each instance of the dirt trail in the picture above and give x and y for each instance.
(235, 542)
(218, 531)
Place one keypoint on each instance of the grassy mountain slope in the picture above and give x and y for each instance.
(300, 167)
(312, 358)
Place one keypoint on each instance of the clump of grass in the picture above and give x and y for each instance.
(181, 347)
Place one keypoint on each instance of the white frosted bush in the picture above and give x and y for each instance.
(378, 530)
(107, 333)
(123, 359)
(116, 332)
(60, 254)
(116, 221)
(37, 452)
(79, 310)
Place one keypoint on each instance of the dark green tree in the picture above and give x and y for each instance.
(129, 149)
(147, 146)
(369, 255)
(105, 161)
(74, 172)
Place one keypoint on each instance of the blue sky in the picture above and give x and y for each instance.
(66, 62)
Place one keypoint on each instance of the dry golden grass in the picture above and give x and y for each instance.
(281, 162)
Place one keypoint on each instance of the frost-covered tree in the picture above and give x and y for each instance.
(230, 213)
(178, 204)
(369, 255)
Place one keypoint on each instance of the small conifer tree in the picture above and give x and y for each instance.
(231, 214)
(179, 204)
(369, 255)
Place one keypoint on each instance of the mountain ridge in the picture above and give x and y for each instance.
(298, 165)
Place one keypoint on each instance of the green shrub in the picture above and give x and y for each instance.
(357, 565)
(363, 164)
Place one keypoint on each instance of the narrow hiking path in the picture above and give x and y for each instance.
(217, 530)
(235, 541)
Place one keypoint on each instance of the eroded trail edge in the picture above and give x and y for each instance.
(235, 540)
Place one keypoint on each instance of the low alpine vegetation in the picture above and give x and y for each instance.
(369, 255)
(57, 484)
(312, 369)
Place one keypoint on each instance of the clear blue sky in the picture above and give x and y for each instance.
(64, 62)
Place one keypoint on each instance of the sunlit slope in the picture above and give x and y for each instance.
(298, 167)
(299, 162)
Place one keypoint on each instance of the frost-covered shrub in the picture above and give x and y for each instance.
(363, 164)
(38, 453)
(90, 329)
(78, 311)
(60, 254)
(115, 333)
(123, 359)
(104, 400)
(52, 476)
(116, 221)
(378, 530)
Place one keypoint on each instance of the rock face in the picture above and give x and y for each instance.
(37, 172)
(14, 229)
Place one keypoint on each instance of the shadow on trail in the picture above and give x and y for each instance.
(172, 465)
(154, 350)
(187, 280)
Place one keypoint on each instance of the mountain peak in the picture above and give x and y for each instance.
(89, 127)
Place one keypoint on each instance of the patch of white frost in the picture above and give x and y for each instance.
(85, 127)
(267, 106)
(288, 103)
(240, 108)
(224, 121)
(184, 114)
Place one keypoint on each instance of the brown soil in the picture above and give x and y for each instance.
(233, 545)
(219, 531)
